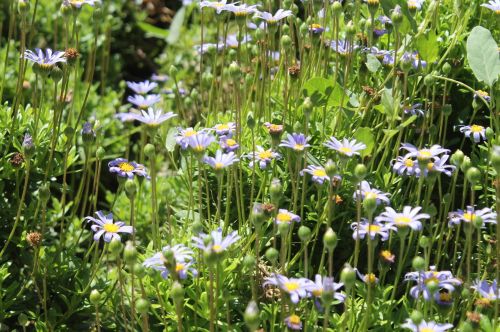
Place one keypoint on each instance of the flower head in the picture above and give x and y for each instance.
(242, 10)
(296, 142)
(415, 4)
(124, 168)
(215, 242)
(153, 117)
(273, 19)
(142, 88)
(219, 6)
(228, 144)
(494, 5)
(426, 326)
(324, 285)
(263, 157)
(409, 217)
(487, 290)
(318, 173)
(293, 322)
(471, 215)
(369, 278)
(342, 47)
(345, 148)
(423, 154)
(297, 288)
(225, 128)
(79, 3)
(481, 93)
(438, 280)
(285, 216)
(184, 136)
(221, 160)
(316, 29)
(405, 166)
(200, 142)
(103, 225)
(368, 192)
(415, 109)
(45, 61)
(143, 102)
(375, 228)
(183, 257)
(476, 131)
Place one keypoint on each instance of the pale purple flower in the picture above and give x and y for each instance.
(424, 153)
(476, 131)
(228, 144)
(369, 278)
(326, 285)
(426, 326)
(200, 141)
(440, 279)
(487, 290)
(221, 160)
(242, 10)
(409, 217)
(415, 4)
(342, 47)
(346, 147)
(481, 93)
(144, 102)
(286, 217)
(153, 117)
(214, 241)
(297, 288)
(124, 168)
(415, 109)
(368, 192)
(296, 142)
(225, 128)
(318, 173)
(183, 261)
(80, 3)
(219, 6)
(273, 19)
(47, 59)
(142, 88)
(293, 322)
(359, 231)
(487, 215)
(103, 226)
(263, 157)
(405, 166)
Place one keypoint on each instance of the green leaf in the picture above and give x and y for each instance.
(152, 31)
(176, 26)
(427, 46)
(365, 135)
(482, 53)
(372, 63)
(323, 92)
(170, 140)
(410, 120)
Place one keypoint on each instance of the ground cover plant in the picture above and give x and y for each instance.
(262, 166)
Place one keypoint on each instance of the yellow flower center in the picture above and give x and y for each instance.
(427, 329)
(412, 5)
(126, 167)
(373, 2)
(291, 286)
(315, 26)
(179, 267)
(230, 142)
(386, 254)
(408, 163)
(294, 319)
(272, 21)
(198, 148)
(445, 297)
(299, 147)
(283, 217)
(317, 292)
(424, 154)
(222, 127)
(218, 165)
(430, 166)
(402, 220)
(266, 154)
(370, 195)
(345, 150)
(374, 228)
(275, 127)
(481, 92)
(370, 278)
(111, 228)
(217, 248)
(469, 216)
(219, 4)
(319, 172)
(476, 128)
(431, 279)
(190, 132)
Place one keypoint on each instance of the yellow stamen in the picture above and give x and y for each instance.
(319, 172)
(283, 217)
(291, 286)
(111, 228)
(126, 167)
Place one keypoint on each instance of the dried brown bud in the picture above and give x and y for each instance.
(34, 239)
(71, 55)
(294, 71)
(17, 159)
(473, 317)
(268, 209)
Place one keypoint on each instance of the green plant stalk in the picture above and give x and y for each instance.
(19, 208)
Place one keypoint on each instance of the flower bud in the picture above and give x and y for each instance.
(418, 263)
(56, 74)
(478, 222)
(396, 16)
(142, 306)
(286, 42)
(139, 270)
(473, 175)
(28, 146)
(429, 80)
(249, 262)
(130, 253)
(457, 158)
(276, 191)
(416, 317)
(489, 133)
(466, 164)
(115, 247)
(446, 68)
(330, 239)
(206, 80)
(44, 193)
(130, 188)
(197, 227)
(23, 320)
(257, 215)
(177, 293)
(272, 255)
(307, 105)
(234, 70)
(283, 229)
(251, 316)
(173, 72)
(304, 233)
(330, 168)
(23, 7)
(337, 9)
(149, 151)
(360, 172)
(495, 158)
(350, 30)
(100, 153)
(370, 205)
(424, 242)
(95, 297)
(348, 276)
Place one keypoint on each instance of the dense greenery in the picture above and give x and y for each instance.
(265, 166)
